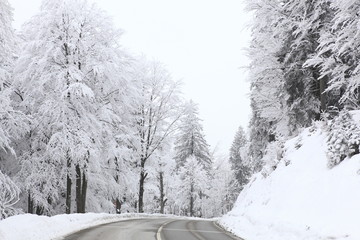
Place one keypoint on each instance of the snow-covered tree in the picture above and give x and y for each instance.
(13, 123)
(338, 53)
(238, 164)
(343, 138)
(194, 183)
(158, 111)
(190, 139)
(70, 74)
(266, 74)
(223, 190)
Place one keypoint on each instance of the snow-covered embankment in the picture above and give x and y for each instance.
(33, 227)
(302, 199)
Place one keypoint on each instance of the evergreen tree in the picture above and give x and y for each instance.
(338, 53)
(238, 165)
(299, 27)
(268, 95)
(190, 139)
(193, 185)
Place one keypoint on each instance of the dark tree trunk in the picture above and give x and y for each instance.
(162, 193)
(81, 189)
(191, 200)
(117, 206)
(143, 176)
(30, 204)
(68, 194)
(83, 193)
(78, 189)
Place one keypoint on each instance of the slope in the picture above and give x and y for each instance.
(303, 198)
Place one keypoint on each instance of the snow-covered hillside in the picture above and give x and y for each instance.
(302, 199)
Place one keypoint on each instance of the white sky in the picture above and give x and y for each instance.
(200, 41)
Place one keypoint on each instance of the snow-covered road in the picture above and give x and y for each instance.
(154, 228)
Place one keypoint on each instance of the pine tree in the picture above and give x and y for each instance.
(192, 187)
(338, 53)
(299, 27)
(190, 139)
(238, 165)
(268, 95)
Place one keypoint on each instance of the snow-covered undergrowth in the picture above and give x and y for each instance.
(303, 198)
(33, 227)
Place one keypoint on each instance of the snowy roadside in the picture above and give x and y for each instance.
(302, 199)
(34, 227)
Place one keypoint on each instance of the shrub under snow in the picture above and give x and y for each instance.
(343, 138)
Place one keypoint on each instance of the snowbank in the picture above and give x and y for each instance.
(33, 227)
(304, 200)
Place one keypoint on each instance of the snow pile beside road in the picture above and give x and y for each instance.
(33, 227)
(304, 200)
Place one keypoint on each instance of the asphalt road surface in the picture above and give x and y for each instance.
(154, 229)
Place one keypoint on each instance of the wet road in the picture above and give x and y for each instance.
(154, 229)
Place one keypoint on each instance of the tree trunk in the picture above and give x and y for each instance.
(30, 204)
(68, 187)
(141, 191)
(191, 200)
(162, 193)
(78, 189)
(117, 206)
(81, 190)
(83, 193)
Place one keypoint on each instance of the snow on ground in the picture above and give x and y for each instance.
(304, 200)
(33, 227)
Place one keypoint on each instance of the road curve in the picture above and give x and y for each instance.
(154, 229)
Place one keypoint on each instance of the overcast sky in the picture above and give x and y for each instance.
(200, 41)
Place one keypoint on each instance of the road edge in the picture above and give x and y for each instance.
(158, 233)
(226, 232)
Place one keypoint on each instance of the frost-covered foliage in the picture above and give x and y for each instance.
(9, 196)
(72, 77)
(273, 154)
(193, 187)
(304, 62)
(343, 138)
(156, 116)
(338, 53)
(190, 139)
(237, 159)
(224, 189)
(93, 128)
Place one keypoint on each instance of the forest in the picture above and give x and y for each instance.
(87, 127)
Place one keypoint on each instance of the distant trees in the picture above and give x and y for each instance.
(91, 128)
